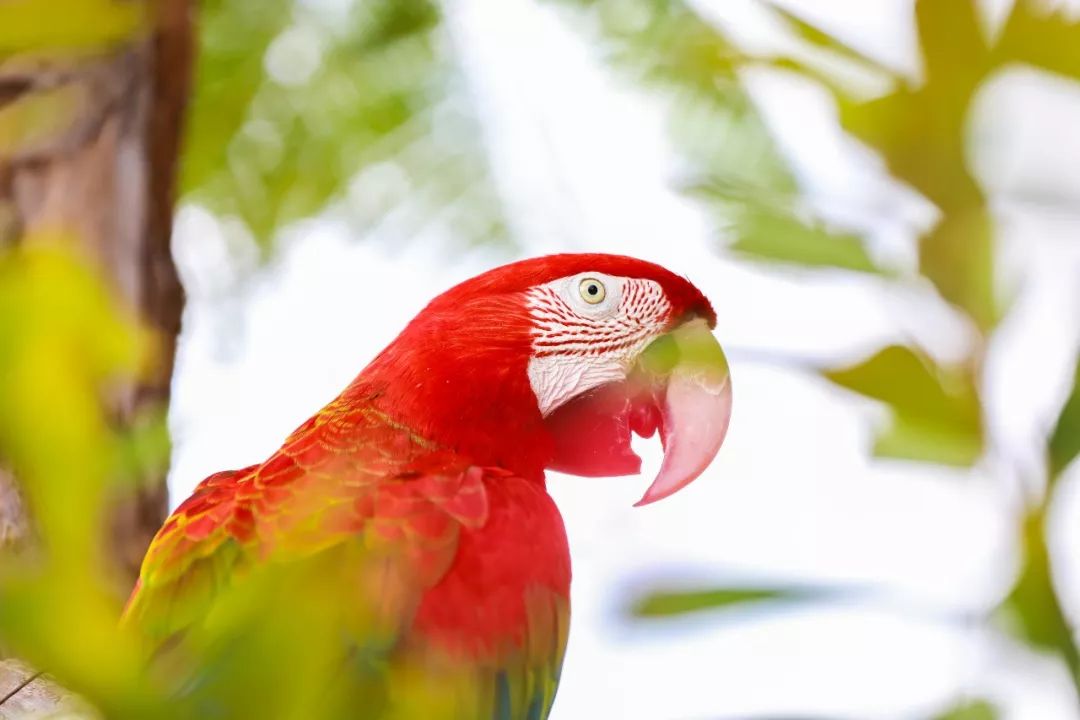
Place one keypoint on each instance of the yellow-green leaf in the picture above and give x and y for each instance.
(665, 603)
(32, 120)
(1032, 609)
(33, 25)
(936, 413)
(1064, 444)
(958, 257)
(1041, 35)
(970, 710)
(780, 237)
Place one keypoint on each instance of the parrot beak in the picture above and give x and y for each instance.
(679, 385)
(691, 384)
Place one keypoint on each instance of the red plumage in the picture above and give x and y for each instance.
(432, 463)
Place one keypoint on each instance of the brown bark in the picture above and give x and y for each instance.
(105, 176)
(103, 173)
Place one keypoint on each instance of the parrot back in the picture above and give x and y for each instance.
(360, 571)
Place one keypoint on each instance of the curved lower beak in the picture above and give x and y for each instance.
(691, 383)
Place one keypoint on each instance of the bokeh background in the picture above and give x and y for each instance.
(882, 200)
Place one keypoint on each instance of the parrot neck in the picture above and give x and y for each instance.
(473, 399)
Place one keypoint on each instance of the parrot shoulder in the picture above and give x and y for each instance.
(349, 476)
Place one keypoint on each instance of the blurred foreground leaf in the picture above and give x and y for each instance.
(1042, 35)
(295, 108)
(970, 710)
(958, 257)
(777, 236)
(672, 49)
(817, 37)
(680, 602)
(32, 120)
(1064, 443)
(921, 133)
(70, 24)
(65, 340)
(1032, 609)
(936, 414)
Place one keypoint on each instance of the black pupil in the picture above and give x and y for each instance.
(592, 289)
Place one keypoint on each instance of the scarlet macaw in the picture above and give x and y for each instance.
(425, 477)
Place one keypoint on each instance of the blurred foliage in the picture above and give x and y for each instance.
(919, 128)
(730, 159)
(74, 25)
(1032, 608)
(664, 603)
(1064, 443)
(970, 710)
(295, 108)
(771, 234)
(65, 341)
(936, 411)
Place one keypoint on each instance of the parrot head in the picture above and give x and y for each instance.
(553, 362)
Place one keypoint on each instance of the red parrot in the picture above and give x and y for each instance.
(423, 481)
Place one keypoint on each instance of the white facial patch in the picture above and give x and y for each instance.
(587, 330)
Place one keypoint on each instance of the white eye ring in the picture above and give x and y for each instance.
(592, 290)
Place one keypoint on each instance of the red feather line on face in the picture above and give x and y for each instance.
(559, 330)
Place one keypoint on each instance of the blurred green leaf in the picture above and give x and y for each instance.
(818, 37)
(142, 453)
(680, 602)
(292, 109)
(1032, 609)
(777, 236)
(1064, 443)
(970, 710)
(958, 257)
(921, 134)
(233, 38)
(33, 119)
(1038, 34)
(65, 340)
(664, 41)
(68, 24)
(733, 162)
(936, 410)
(668, 46)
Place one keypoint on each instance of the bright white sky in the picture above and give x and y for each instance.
(792, 496)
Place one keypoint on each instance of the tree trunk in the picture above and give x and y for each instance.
(105, 176)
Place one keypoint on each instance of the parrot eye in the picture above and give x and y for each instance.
(592, 291)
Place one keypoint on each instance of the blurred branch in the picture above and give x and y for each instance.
(32, 694)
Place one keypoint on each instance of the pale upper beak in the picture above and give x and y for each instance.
(678, 385)
(692, 387)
